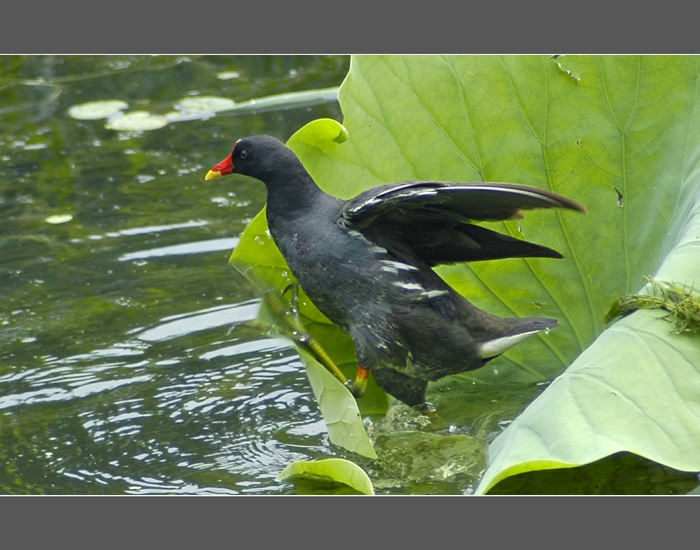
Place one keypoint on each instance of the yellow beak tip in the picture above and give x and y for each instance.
(212, 175)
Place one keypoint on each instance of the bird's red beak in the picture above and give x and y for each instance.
(223, 168)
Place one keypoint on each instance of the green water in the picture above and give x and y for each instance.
(117, 372)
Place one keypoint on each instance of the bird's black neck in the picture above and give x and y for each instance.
(293, 192)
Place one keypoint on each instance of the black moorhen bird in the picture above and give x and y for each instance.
(367, 264)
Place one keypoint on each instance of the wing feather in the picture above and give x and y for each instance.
(433, 219)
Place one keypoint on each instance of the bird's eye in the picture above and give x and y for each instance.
(243, 154)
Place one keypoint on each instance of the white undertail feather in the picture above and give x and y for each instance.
(495, 347)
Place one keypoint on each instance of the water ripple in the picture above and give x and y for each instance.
(182, 324)
(49, 395)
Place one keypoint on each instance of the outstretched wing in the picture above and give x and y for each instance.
(433, 218)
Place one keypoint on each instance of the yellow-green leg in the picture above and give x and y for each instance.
(302, 336)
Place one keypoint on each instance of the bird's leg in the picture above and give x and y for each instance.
(304, 338)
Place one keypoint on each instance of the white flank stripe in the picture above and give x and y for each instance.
(434, 293)
(409, 286)
(393, 267)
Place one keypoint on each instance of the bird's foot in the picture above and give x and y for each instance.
(352, 388)
(426, 409)
(358, 387)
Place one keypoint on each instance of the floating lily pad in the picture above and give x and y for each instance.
(204, 104)
(97, 109)
(138, 121)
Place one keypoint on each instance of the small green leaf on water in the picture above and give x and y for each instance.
(97, 109)
(138, 121)
(227, 75)
(59, 218)
(330, 469)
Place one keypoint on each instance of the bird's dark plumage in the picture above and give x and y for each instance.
(367, 263)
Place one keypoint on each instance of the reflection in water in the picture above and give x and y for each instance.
(151, 229)
(200, 247)
(180, 325)
(47, 395)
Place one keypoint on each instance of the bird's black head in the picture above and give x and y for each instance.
(257, 156)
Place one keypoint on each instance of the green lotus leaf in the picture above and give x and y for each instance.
(619, 134)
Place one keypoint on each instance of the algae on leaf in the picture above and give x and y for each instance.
(681, 304)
